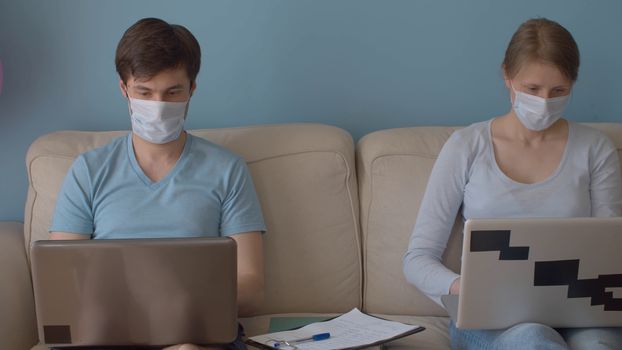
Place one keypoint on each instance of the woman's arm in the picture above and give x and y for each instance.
(443, 197)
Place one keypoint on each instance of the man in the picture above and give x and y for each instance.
(159, 181)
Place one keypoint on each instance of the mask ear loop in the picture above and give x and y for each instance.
(187, 103)
(515, 93)
(129, 103)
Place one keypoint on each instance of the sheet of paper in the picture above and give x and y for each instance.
(352, 329)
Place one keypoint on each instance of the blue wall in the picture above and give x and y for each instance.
(358, 64)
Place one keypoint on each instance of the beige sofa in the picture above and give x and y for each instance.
(338, 219)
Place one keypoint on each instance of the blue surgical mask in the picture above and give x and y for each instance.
(537, 113)
(157, 121)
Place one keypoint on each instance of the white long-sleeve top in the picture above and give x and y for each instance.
(466, 175)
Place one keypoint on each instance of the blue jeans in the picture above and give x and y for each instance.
(536, 336)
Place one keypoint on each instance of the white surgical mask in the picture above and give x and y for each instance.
(537, 113)
(157, 121)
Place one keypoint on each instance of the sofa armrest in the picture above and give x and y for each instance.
(18, 328)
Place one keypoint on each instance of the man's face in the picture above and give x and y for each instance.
(171, 85)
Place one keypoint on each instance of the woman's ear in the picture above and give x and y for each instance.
(506, 77)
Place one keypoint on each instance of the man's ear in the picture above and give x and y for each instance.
(123, 88)
(193, 86)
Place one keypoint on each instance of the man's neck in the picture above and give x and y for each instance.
(149, 153)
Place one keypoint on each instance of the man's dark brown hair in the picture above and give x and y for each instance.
(151, 46)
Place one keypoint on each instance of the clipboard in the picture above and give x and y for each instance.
(356, 315)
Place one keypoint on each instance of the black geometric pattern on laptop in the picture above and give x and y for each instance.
(565, 272)
(552, 273)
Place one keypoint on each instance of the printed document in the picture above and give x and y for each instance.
(351, 330)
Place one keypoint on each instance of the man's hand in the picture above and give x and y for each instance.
(67, 236)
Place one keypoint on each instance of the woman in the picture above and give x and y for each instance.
(527, 163)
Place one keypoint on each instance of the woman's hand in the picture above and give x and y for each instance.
(455, 287)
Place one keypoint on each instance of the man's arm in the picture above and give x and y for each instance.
(250, 272)
(67, 236)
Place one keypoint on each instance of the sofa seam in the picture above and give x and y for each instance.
(357, 233)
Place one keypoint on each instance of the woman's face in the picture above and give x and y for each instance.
(539, 79)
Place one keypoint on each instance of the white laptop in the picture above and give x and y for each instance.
(559, 272)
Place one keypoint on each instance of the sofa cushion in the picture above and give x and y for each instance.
(393, 168)
(305, 179)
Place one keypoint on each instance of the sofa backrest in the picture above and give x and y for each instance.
(393, 167)
(305, 178)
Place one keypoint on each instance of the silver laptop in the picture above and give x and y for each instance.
(558, 272)
(135, 291)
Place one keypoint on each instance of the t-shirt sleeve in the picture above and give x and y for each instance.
(605, 180)
(241, 211)
(73, 212)
(422, 263)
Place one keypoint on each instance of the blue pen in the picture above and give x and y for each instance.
(315, 337)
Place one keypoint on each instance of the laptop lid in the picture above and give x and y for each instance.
(135, 291)
(559, 272)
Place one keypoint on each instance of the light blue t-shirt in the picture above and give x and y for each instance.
(586, 183)
(209, 192)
